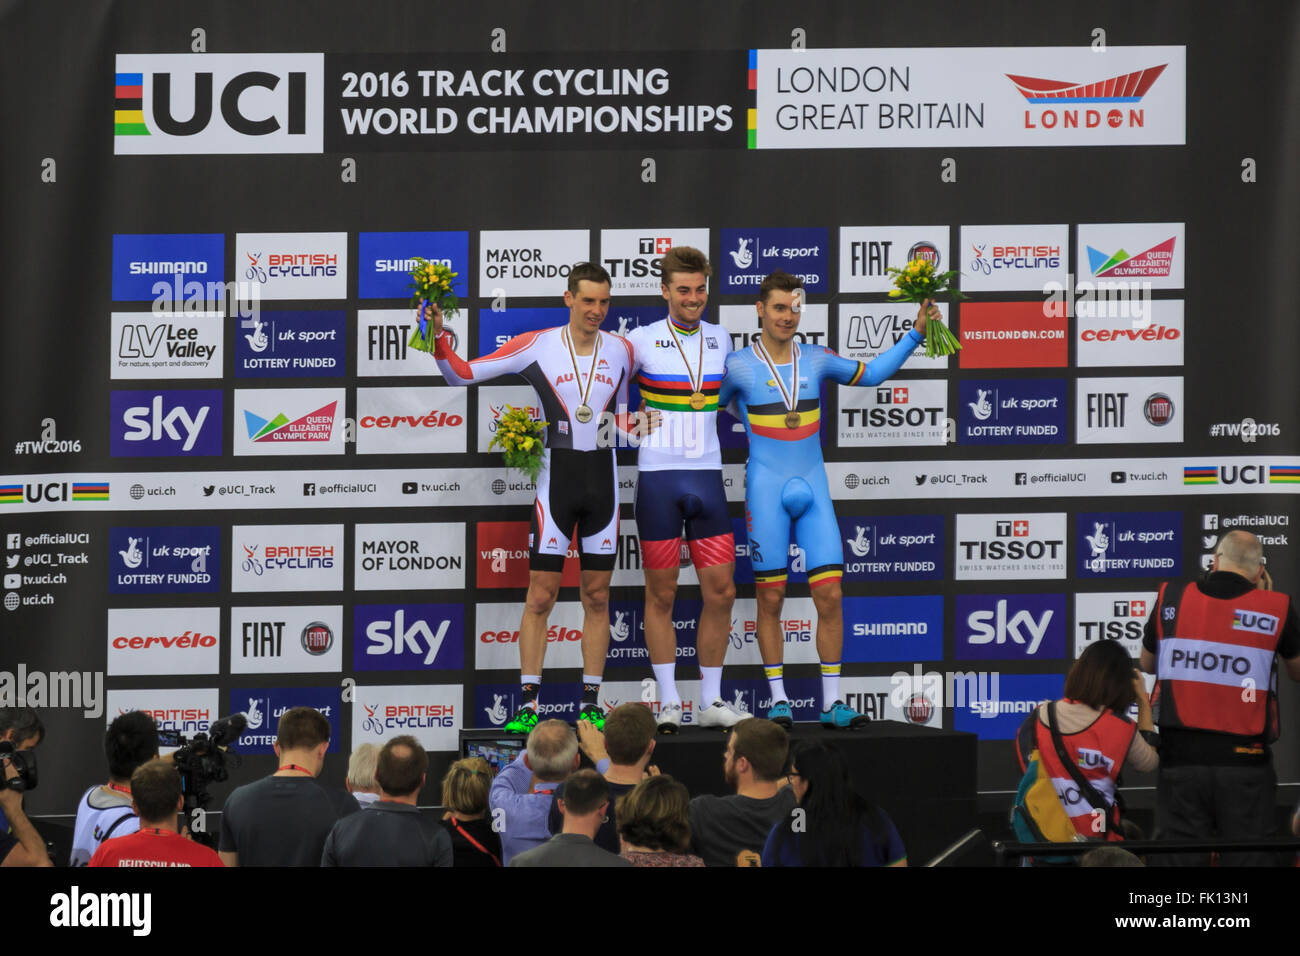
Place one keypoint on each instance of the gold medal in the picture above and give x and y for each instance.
(696, 375)
(583, 413)
(791, 419)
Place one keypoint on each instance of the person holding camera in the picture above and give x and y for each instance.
(20, 731)
(106, 811)
(156, 799)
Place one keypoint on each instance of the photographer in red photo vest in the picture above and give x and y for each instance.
(1213, 646)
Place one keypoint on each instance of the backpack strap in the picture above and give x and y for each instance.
(117, 823)
(1096, 799)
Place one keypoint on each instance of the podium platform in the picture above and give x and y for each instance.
(923, 777)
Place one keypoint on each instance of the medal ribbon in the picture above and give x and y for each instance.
(696, 377)
(791, 399)
(573, 357)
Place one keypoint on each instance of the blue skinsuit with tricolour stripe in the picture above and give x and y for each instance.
(786, 475)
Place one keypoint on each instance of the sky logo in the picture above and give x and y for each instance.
(148, 424)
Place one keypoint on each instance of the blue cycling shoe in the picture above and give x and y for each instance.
(780, 713)
(843, 717)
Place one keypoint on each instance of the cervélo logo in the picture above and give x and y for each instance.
(164, 641)
(497, 630)
(174, 103)
(411, 420)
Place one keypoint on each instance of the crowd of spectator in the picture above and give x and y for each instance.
(541, 809)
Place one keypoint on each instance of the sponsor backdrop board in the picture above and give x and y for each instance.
(229, 480)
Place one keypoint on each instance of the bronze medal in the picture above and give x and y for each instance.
(583, 413)
(789, 397)
(698, 400)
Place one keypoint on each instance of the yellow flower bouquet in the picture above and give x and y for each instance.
(521, 439)
(916, 282)
(431, 282)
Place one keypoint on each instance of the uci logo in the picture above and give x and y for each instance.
(219, 103)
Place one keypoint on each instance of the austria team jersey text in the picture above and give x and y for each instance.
(675, 363)
(546, 360)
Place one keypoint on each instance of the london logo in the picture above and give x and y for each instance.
(1127, 88)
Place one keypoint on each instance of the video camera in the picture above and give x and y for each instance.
(23, 761)
(201, 760)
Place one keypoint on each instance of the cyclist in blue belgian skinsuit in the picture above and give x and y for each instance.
(786, 477)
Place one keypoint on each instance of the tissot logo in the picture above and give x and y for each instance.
(1112, 616)
(906, 413)
(218, 103)
(632, 256)
(998, 547)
